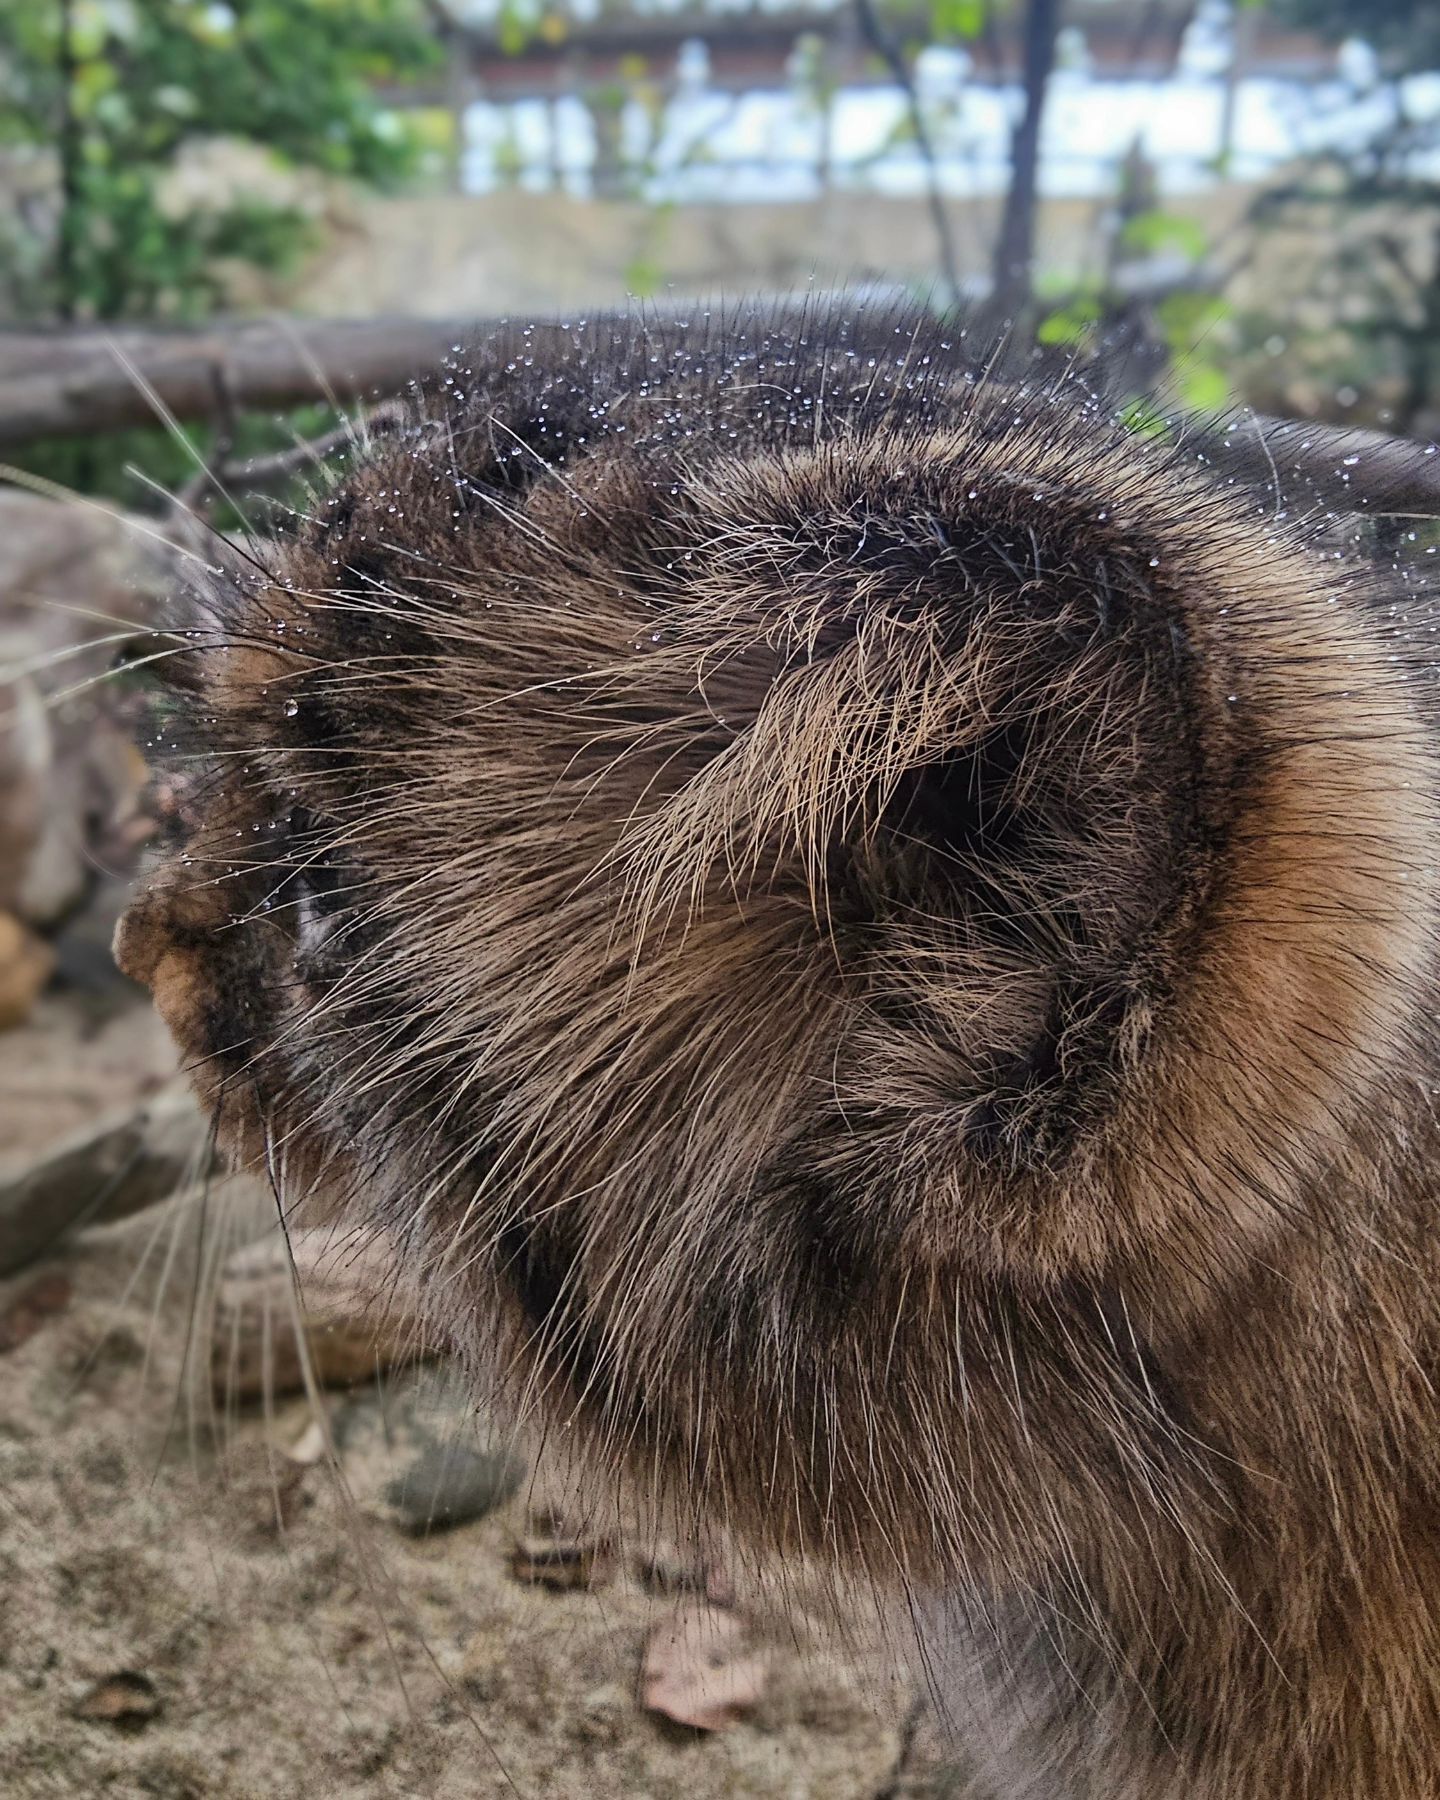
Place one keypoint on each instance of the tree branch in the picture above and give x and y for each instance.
(890, 53)
(1015, 246)
(59, 384)
(56, 384)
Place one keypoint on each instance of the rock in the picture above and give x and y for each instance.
(128, 1161)
(411, 1451)
(420, 1409)
(26, 963)
(74, 1069)
(127, 1699)
(311, 1446)
(25, 751)
(452, 1484)
(73, 581)
(355, 1312)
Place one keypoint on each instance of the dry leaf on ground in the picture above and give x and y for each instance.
(700, 1669)
(127, 1699)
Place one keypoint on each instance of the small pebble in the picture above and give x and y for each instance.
(450, 1484)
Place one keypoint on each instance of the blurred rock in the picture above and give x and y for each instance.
(25, 746)
(83, 1059)
(398, 1421)
(452, 1484)
(333, 1304)
(416, 1454)
(128, 1161)
(75, 584)
(25, 966)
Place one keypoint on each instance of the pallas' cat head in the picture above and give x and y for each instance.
(830, 905)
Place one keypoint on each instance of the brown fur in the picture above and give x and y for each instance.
(877, 933)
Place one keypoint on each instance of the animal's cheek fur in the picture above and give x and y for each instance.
(175, 959)
(222, 972)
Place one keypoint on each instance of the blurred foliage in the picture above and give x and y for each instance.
(961, 20)
(142, 468)
(1154, 310)
(108, 98)
(113, 92)
(1361, 327)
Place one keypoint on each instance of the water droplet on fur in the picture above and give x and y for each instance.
(292, 707)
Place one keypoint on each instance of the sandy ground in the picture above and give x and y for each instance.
(188, 1611)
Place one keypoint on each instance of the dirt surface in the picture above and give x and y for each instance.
(202, 1601)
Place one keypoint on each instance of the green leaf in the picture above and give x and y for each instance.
(1152, 231)
(963, 19)
(1202, 387)
(1070, 324)
(1140, 416)
(1186, 318)
(643, 277)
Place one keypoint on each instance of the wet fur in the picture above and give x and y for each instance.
(872, 934)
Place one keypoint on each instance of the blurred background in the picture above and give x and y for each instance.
(229, 230)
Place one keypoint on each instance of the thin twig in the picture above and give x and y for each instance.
(890, 53)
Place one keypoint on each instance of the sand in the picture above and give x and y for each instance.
(188, 1612)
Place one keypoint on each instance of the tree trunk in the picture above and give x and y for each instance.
(1015, 246)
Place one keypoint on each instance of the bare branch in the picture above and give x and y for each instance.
(1015, 246)
(73, 383)
(890, 53)
(60, 384)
